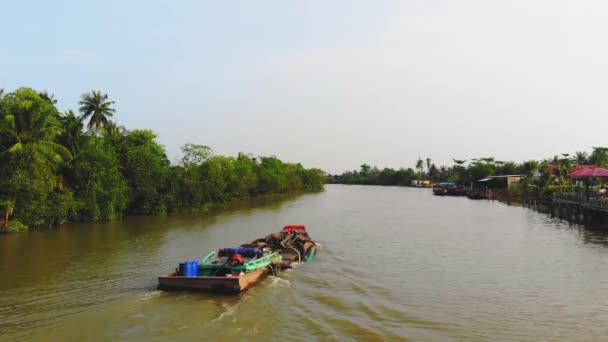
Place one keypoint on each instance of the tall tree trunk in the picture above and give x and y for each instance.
(8, 211)
(5, 223)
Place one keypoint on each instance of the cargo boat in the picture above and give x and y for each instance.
(232, 270)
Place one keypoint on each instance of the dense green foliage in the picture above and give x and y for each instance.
(52, 170)
(373, 176)
(549, 172)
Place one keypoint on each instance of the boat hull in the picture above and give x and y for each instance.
(173, 282)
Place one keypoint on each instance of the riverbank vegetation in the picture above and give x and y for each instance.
(546, 175)
(53, 170)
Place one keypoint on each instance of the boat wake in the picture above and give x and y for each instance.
(292, 266)
(150, 295)
(138, 316)
(229, 310)
(279, 282)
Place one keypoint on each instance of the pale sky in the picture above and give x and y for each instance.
(330, 84)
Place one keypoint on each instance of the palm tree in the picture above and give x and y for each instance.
(580, 158)
(28, 130)
(433, 172)
(599, 156)
(419, 166)
(32, 122)
(529, 168)
(460, 169)
(72, 136)
(97, 106)
(114, 134)
(48, 97)
(75, 140)
(563, 168)
(488, 160)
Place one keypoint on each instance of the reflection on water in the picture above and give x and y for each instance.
(593, 236)
(594, 231)
(395, 264)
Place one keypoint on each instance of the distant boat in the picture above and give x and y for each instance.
(448, 189)
(234, 270)
(421, 183)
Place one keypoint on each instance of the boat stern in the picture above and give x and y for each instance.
(172, 282)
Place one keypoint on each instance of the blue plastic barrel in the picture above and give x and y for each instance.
(189, 269)
(193, 269)
(183, 269)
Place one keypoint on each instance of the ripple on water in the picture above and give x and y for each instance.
(329, 301)
(362, 332)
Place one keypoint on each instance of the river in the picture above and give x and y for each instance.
(394, 264)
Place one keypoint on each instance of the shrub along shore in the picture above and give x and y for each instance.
(54, 170)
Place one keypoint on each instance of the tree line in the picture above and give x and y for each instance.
(54, 170)
(549, 172)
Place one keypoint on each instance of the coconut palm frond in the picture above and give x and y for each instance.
(96, 106)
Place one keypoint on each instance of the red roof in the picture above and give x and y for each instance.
(553, 168)
(590, 172)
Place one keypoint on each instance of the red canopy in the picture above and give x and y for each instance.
(294, 227)
(589, 173)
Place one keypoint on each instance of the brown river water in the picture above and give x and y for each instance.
(394, 264)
